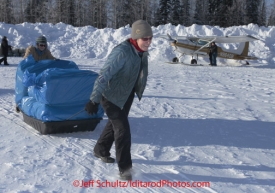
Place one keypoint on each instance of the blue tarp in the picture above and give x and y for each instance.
(54, 90)
(47, 113)
(33, 68)
(62, 86)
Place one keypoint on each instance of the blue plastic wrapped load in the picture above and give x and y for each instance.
(55, 92)
(34, 68)
(47, 113)
(62, 86)
(20, 89)
(33, 71)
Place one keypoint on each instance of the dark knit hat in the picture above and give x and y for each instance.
(41, 39)
(140, 29)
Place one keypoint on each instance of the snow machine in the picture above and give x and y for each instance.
(52, 94)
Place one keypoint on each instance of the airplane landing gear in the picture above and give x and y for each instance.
(176, 60)
(193, 61)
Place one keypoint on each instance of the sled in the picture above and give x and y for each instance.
(51, 95)
(67, 126)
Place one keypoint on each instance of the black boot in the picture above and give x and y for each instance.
(5, 61)
(107, 159)
(125, 175)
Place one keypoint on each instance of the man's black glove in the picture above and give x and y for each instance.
(91, 107)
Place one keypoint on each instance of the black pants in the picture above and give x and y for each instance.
(210, 58)
(116, 130)
(4, 59)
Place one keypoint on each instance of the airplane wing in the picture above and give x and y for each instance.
(233, 39)
(220, 39)
(206, 45)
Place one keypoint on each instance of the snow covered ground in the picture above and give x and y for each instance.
(210, 127)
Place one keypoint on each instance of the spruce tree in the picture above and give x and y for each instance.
(213, 10)
(199, 17)
(163, 12)
(223, 15)
(252, 11)
(201, 10)
(175, 11)
(185, 18)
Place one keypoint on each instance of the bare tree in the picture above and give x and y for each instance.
(271, 18)
(153, 10)
(98, 13)
(262, 13)
(30, 11)
(17, 6)
(118, 13)
(79, 13)
(6, 11)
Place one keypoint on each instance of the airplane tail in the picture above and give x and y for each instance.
(242, 50)
(244, 53)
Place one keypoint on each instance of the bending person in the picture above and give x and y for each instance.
(40, 52)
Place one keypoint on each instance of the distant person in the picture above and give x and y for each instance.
(123, 75)
(213, 53)
(5, 47)
(210, 56)
(40, 52)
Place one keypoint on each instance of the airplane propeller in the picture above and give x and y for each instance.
(171, 39)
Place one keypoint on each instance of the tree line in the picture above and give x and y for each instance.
(118, 13)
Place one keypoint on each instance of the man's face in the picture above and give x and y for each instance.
(41, 46)
(144, 43)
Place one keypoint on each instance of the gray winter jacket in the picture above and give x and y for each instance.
(119, 75)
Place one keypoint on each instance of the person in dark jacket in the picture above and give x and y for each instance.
(213, 53)
(123, 75)
(210, 56)
(5, 50)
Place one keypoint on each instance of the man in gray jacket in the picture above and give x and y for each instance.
(124, 74)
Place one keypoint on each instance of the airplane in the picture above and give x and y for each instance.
(199, 46)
